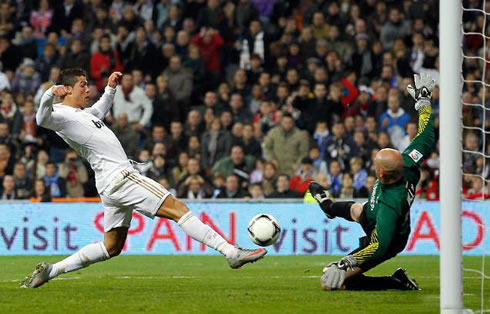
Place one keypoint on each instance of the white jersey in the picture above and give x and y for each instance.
(84, 131)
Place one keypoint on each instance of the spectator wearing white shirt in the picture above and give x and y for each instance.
(4, 81)
(132, 101)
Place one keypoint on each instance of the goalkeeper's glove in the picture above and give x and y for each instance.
(424, 84)
(334, 274)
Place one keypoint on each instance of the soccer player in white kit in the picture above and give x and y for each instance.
(121, 188)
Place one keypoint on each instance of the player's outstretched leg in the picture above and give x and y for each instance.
(90, 254)
(398, 281)
(199, 231)
(330, 208)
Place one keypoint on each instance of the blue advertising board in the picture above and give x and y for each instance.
(63, 228)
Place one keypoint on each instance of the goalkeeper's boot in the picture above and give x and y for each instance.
(322, 196)
(244, 256)
(408, 284)
(39, 276)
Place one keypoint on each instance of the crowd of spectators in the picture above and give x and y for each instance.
(227, 99)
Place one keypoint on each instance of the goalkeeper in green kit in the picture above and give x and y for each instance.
(385, 217)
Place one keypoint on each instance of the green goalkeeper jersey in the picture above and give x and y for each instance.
(387, 211)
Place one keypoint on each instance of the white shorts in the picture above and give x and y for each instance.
(130, 191)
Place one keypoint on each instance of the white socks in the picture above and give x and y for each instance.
(97, 252)
(89, 254)
(203, 233)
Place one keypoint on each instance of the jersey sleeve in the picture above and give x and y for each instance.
(381, 237)
(46, 116)
(423, 144)
(104, 104)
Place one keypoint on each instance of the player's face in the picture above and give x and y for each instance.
(81, 92)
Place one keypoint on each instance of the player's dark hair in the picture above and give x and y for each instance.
(68, 77)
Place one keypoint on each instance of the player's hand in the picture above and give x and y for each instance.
(114, 79)
(422, 92)
(347, 262)
(333, 277)
(334, 274)
(61, 90)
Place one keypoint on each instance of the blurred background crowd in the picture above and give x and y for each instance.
(230, 99)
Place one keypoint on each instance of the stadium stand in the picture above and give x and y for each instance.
(222, 98)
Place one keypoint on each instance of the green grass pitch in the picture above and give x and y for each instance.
(195, 284)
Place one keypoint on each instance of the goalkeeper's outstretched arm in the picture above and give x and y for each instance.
(423, 144)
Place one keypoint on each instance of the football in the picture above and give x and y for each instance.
(264, 229)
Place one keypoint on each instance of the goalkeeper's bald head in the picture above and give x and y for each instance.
(388, 164)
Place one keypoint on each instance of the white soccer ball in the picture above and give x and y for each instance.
(264, 229)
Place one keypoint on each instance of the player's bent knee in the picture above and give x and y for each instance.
(356, 211)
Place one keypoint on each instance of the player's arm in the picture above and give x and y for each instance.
(104, 104)
(381, 237)
(423, 144)
(45, 116)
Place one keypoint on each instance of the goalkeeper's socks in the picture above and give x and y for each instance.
(366, 283)
(340, 209)
(203, 233)
(89, 254)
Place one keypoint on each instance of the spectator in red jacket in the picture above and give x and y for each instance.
(104, 62)
(209, 42)
(306, 173)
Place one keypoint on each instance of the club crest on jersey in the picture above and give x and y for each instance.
(415, 155)
(98, 124)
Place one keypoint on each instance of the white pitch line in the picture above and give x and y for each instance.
(67, 278)
(157, 277)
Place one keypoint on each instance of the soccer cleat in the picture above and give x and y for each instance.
(39, 276)
(245, 256)
(408, 284)
(321, 195)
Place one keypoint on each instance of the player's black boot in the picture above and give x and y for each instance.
(408, 284)
(321, 195)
